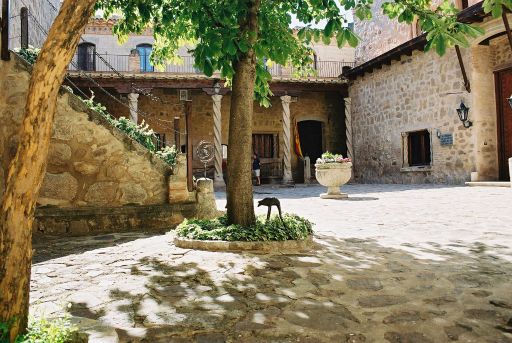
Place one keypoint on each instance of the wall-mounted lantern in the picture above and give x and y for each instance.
(463, 112)
(509, 99)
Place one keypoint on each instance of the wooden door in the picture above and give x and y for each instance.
(504, 91)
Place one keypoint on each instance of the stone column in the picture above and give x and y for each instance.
(287, 151)
(133, 102)
(405, 149)
(348, 124)
(217, 132)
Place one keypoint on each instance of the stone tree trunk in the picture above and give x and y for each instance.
(27, 169)
(240, 203)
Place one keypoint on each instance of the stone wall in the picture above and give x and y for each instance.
(418, 92)
(423, 92)
(90, 162)
(326, 107)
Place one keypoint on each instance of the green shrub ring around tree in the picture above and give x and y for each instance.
(294, 228)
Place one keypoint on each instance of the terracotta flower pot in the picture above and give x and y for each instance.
(333, 176)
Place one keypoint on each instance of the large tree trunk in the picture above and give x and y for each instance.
(27, 169)
(240, 202)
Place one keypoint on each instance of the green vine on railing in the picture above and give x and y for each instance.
(138, 132)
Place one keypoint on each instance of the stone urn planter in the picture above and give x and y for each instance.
(333, 176)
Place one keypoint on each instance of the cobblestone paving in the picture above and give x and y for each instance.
(392, 264)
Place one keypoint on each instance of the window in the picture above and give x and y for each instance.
(145, 54)
(86, 58)
(265, 145)
(418, 148)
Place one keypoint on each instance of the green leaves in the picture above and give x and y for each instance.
(292, 227)
(347, 36)
(495, 7)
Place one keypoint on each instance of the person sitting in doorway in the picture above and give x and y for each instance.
(256, 167)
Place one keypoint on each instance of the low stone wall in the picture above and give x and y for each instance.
(95, 220)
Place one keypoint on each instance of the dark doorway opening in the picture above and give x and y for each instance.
(503, 91)
(311, 140)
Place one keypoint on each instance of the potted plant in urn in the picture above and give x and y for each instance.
(333, 171)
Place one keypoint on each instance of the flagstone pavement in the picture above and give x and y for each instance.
(394, 263)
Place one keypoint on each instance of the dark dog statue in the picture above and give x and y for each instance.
(269, 202)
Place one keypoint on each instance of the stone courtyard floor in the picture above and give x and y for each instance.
(393, 263)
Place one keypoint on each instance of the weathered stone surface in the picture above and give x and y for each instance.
(59, 154)
(86, 168)
(365, 284)
(381, 300)
(440, 301)
(101, 193)
(323, 318)
(61, 186)
(501, 303)
(453, 332)
(406, 337)
(132, 193)
(403, 317)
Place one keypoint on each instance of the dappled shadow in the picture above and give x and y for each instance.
(44, 245)
(342, 290)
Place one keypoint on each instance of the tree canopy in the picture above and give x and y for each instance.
(216, 29)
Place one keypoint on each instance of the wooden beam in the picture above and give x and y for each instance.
(462, 69)
(123, 85)
(188, 125)
(5, 31)
(507, 27)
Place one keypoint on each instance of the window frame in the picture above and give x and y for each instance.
(407, 151)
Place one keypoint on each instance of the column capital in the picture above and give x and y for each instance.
(133, 96)
(286, 99)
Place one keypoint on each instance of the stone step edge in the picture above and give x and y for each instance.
(488, 184)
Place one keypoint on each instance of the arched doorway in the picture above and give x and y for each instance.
(311, 140)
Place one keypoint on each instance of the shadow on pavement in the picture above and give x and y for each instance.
(342, 290)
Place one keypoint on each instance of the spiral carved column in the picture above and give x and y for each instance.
(133, 101)
(287, 158)
(348, 125)
(217, 132)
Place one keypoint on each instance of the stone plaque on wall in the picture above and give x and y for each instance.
(446, 139)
